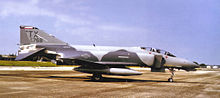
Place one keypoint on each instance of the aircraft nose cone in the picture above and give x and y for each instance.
(190, 64)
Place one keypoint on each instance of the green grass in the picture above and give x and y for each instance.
(26, 63)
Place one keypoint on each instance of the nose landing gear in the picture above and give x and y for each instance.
(172, 74)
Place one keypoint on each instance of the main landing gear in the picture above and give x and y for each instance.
(172, 74)
(96, 77)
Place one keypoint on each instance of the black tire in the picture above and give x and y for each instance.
(170, 80)
(97, 77)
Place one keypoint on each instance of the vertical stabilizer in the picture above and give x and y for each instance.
(32, 35)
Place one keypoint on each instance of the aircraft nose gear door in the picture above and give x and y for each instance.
(158, 65)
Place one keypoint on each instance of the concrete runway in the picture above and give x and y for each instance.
(20, 84)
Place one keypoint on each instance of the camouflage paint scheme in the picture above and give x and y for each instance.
(35, 44)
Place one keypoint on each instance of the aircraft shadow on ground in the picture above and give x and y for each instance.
(57, 77)
(108, 79)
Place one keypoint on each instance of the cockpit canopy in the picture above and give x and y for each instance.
(158, 51)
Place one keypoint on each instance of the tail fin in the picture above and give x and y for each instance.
(32, 35)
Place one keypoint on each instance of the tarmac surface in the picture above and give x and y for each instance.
(64, 84)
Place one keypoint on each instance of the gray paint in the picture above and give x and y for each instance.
(94, 59)
(122, 56)
(34, 35)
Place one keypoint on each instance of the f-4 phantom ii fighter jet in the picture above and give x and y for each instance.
(36, 45)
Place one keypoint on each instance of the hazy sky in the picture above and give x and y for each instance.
(187, 28)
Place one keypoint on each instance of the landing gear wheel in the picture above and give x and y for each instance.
(170, 79)
(172, 74)
(97, 77)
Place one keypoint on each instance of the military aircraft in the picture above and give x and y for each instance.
(36, 45)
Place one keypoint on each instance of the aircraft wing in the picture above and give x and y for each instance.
(103, 63)
(26, 55)
(110, 68)
(117, 63)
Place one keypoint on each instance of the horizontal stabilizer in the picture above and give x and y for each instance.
(26, 55)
